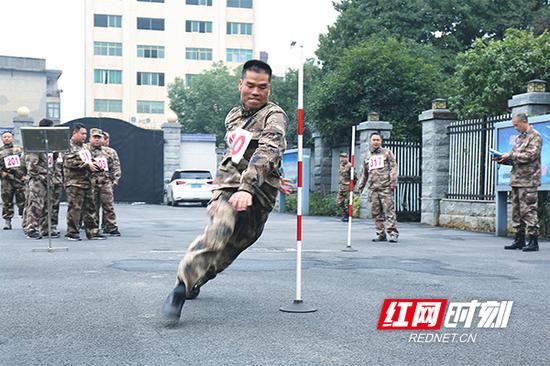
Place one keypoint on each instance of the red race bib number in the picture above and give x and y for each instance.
(50, 160)
(12, 161)
(238, 141)
(85, 155)
(102, 162)
(376, 162)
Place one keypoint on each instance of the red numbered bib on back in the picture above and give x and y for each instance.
(85, 155)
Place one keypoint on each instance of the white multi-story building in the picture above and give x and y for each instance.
(135, 48)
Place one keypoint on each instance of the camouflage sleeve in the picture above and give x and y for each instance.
(267, 156)
(31, 164)
(72, 160)
(117, 171)
(530, 153)
(393, 168)
(364, 175)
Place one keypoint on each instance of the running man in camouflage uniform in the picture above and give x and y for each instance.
(102, 184)
(342, 200)
(526, 175)
(77, 167)
(12, 178)
(247, 187)
(114, 174)
(380, 172)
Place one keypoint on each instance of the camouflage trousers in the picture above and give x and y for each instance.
(104, 199)
(226, 236)
(37, 204)
(524, 210)
(382, 206)
(342, 199)
(9, 191)
(80, 201)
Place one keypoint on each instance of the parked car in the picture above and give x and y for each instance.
(189, 186)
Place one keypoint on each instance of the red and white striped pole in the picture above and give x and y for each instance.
(350, 204)
(297, 306)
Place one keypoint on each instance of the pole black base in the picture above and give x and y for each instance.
(297, 306)
(349, 249)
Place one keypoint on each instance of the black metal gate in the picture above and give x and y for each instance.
(141, 154)
(409, 177)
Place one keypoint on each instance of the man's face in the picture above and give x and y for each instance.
(520, 126)
(375, 141)
(343, 159)
(96, 140)
(254, 88)
(80, 135)
(105, 141)
(7, 138)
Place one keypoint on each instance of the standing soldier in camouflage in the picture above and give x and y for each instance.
(380, 171)
(12, 178)
(114, 173)
(342, 200)
(101, 182)
(247, 187)
(526, 175)
(77, 167)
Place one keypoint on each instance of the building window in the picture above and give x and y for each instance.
(150, 51)
(149, 106)
(239, 4)
(108, 105)
(238, 55)
(151, 1)
(203, 54)
(197, 26)
(53, 111)
(107, 48)
(107, 21)
(150, 78)
(150, 24)
(102, 76)
(239, 28)
(189, 79)
(199, 2)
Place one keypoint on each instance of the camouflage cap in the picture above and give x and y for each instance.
(96, 132)
(106, 134)
(343, 155)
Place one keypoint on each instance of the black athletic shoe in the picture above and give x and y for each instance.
(73, 238)
(112, 233)
(194, 293)
(171, 309)
(33, 234)
(97, 237)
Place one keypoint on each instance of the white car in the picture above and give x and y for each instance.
(189, 186)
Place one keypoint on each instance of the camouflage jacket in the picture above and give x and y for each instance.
(37, 169)
(115, 171)
(100, 155)
(258, 171)
(525, 159)
(13, 174)
(344, 172)
(75, 170)
(379, 170)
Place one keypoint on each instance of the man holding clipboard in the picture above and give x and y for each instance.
(525, 159)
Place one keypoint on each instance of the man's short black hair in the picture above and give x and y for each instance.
(44, 122)
(256, 66)
(376, 134)
(77, 127)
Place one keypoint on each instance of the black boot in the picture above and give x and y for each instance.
(518, 243)
(533, 245)
(171, 309)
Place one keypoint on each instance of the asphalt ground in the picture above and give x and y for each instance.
(98, 303)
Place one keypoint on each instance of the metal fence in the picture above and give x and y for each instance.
(471, 170)
(408, 155)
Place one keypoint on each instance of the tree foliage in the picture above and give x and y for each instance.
(202, 106)
(395, 78)
(447, 24)
(494, 70)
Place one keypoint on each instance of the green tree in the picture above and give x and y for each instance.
(202, 106)
(284, 92)
(494, 70)
(447, 24)
(395, 78)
